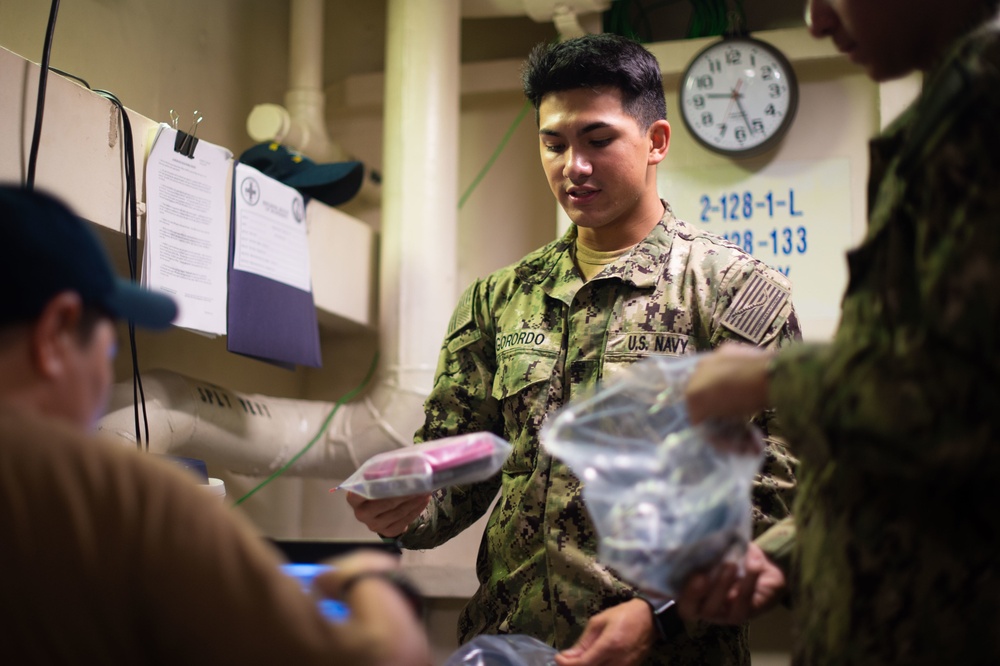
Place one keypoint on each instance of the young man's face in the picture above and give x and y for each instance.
(595, 156)
(889, 38)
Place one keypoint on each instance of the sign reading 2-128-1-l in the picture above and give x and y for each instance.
(779, 241)
(797, 217)
(738, 96)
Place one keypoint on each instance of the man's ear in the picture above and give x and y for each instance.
(55, 334)
(659, 141)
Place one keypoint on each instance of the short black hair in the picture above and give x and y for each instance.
(598, 60)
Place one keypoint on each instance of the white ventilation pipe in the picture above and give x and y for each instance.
(257, 434)
(538, 10)
(301, 123)
(572, 18)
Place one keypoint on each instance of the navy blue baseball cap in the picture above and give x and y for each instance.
(46, 250)
(333, 184)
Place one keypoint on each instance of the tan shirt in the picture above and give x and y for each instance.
(108, 556)
(591, 262)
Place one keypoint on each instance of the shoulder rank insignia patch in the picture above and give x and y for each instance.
(756, 305)
(463, 312)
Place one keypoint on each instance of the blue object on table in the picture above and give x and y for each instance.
(304, 573)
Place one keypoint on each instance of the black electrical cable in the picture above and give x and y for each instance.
(131, 232)
(70, 76)
(131, 248)
(43, 77)
(132, 252)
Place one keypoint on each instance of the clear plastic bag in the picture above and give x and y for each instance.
(503, 650)
(425, 467)
(667, 498)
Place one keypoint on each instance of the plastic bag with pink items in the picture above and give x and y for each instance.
(422, 468)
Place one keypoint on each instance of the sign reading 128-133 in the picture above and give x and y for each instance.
(738, 96)
(794, 216)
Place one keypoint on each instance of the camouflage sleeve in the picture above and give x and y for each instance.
(460, 402)
(918, 389)
(754, 306)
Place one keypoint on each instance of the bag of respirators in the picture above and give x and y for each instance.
(667, 498)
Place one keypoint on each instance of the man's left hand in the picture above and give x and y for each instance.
(728, 596)
(620, 636)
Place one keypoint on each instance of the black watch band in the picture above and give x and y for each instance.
(667, 621)
(398, 580)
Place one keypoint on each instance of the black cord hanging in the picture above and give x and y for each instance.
(132, 252)
(43, 78)
(131, 249)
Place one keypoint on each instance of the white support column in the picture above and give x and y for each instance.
(420, 187)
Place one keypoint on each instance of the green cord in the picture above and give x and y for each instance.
(496, 153)
(326, 422)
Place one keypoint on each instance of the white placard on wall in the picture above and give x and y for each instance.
(794, 216)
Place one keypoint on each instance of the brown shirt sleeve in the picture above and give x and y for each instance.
(112, 556)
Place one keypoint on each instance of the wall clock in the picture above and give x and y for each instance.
(738, 96)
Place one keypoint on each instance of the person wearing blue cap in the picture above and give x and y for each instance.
(110, 555)
(60, 299)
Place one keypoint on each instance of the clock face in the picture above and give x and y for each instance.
(738, 96)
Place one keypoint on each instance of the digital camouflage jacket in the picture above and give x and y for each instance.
(533, 336)
(897, 421)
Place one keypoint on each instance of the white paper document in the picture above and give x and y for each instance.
(270, 220)
(187, 229)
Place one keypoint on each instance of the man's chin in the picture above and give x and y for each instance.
(582, 218)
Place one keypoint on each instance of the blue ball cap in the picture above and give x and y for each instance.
(333, 184)
(47, 250)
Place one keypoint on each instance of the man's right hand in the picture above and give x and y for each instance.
(388, 517)
(730, 382)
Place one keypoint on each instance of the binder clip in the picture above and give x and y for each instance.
(185, 142)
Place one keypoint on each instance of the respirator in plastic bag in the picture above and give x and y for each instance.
(667, 498)
(423, 468)
(503, 650)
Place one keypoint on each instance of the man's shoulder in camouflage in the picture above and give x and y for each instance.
(713, 254)
(754, 298)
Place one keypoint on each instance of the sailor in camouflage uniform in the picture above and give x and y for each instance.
(628, 280)
(897, 420)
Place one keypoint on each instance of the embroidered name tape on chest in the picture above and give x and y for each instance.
(755, 307)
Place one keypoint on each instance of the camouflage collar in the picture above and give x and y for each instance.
(639, 267)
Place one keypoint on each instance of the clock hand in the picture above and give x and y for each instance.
(734, 96)
(744, 114)
(739, 105)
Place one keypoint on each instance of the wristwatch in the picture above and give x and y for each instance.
(402, 584)
(667, 621)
